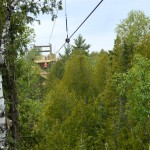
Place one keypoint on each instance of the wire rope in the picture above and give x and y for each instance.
(66, 18)
(80, 25)
(53, 27)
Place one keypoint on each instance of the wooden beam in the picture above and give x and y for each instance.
(40, 46)
(44, 50)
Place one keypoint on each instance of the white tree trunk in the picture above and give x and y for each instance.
(3, 129)
(2, 117)
(3, 126)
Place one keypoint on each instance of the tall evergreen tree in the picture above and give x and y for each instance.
(78, 76)
(101, 71)
(79, 44)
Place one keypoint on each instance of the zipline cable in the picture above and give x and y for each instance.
(66, 19)
(80, 25)
(53, 27)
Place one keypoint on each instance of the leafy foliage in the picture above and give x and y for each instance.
(101, 100)
(136, 87)
(89, 101)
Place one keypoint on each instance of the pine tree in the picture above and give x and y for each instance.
(79, 44)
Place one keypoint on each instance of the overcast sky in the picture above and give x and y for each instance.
(98, 30)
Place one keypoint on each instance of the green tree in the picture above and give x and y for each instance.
(78, 75)
(29, 110)
(130, 33)
(134, 28)
(30, 96)
(68, 50)
(14, 40)
(101, 71)
(79, 44)
(142, 48)
(29, 81)
(135, 85)
(32, 54)
(56, 73)
(58, 107)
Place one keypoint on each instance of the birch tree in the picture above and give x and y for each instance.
(14, 40)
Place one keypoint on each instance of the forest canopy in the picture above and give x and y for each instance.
(98, 100)
(89, 101)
